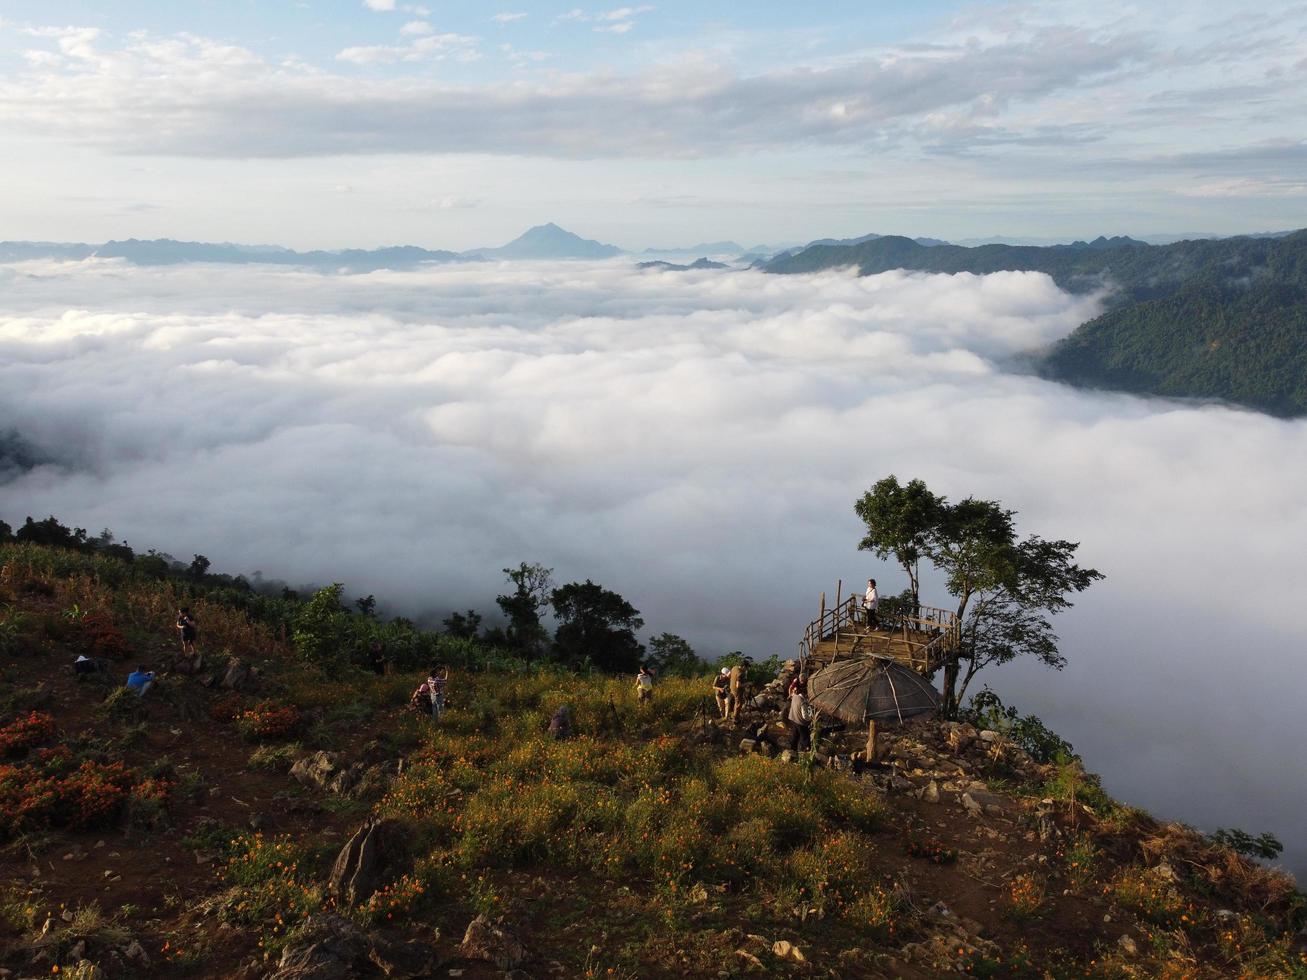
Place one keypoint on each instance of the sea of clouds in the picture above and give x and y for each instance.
(694, 441)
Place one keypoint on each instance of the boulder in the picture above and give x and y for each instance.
(239, 676)
(326, 947)
(317, 769)
(371, 858)
(494, 941)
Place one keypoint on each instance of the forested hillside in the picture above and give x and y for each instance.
(1221, 318)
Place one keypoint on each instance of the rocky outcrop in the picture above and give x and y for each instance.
(327, 947)
(328, 771)
(372, 857)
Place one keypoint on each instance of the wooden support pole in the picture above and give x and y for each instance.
(871, 742)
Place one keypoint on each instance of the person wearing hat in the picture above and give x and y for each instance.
(721, 686)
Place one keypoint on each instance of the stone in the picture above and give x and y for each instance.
(1128, 945)
(990, 736)
(316, 769)
(136, 955)
(493, 941)
(239, 675)
(326, 947)
(747, 745)
(787, 755)
(78, 952)
(370, 859)
(751, 961)
(930, 794)
(971, 806)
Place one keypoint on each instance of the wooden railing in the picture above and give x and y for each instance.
(925, 636)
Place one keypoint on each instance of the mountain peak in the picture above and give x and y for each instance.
(549, 241)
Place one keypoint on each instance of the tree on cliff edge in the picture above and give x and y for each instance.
(1006, 588)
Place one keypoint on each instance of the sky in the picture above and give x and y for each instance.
(694, 441)
(359, 123)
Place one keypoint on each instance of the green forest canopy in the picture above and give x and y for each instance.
(1212, 318)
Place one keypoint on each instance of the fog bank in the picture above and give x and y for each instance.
(694, 441)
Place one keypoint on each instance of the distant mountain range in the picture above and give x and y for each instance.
(701, 263)
(1218, 318)
(542, 242)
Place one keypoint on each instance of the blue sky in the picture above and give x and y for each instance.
(365, 122)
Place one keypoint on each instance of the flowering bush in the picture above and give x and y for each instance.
(91, 795)
(270, 890)
(269, 720)
(227, 709)
(1026, 895)
(395, 899)
(24, 733)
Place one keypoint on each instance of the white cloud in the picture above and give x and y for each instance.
(381, 6)
(223, 100)
(694, 441)
(621, 28)
(417, 27)
(508, 18)
(430, 47)
(623, 13)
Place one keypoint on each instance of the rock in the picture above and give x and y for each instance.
(990, 736)
(747, 745)
(1165, 872)
(316, 769)
(1128, 945)
(787, 755)
(327, 771)
(751, 961)
(786, 950)
(971, 806)
(367, 861)
(493, 941)
(239, 676)
(931, 792)
(78, 952)
(136, 955)
(326, 947)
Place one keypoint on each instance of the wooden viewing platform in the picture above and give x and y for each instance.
(920, 642)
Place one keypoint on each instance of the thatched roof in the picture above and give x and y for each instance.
(871, 689)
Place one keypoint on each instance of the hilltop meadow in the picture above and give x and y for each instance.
(274, 808)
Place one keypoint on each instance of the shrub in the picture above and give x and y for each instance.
(25, 733)
(269, 720)
(269, 888)
(1026, 894)
(1147, 893)
(227, 709)
(986, 710)
(90, 796)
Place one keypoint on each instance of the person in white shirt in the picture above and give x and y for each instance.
(644, 684)
(870, 604)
